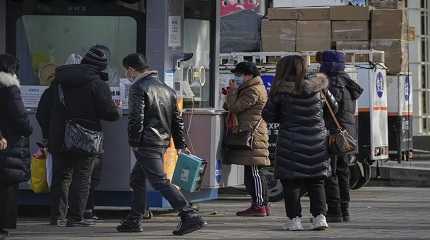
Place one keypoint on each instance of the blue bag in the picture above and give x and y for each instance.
(189, 172)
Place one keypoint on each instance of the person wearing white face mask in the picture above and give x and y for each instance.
(245, 101)
(153, 120)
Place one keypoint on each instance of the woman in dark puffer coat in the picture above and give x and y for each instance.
(15, 128)
(302, 157)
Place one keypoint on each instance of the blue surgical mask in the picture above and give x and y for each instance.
(239, 80)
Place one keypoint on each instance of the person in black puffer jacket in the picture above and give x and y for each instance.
(346, 93)
(15, 128)
(302, 157)
(88, 100)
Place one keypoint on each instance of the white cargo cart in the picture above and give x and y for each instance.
(400, 116)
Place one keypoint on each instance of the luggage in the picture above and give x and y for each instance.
(189, 172)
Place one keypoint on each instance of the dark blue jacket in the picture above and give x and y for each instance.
(302, 150)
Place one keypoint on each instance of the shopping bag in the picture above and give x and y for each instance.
(39, 183)
(189, 172)
(169, 160)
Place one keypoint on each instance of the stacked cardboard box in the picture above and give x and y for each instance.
(387, 4)
(390, 34)
(291, 29)
(350, 27)
(316, 28)
(344, 28)
(278, 36)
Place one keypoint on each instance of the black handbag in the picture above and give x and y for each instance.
(242, 140)
(340, 142)
(77, 138)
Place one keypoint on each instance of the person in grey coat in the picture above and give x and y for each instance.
(302, 158)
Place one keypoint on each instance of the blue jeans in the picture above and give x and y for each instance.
(149, 166)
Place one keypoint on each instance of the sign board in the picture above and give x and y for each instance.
(169, 78)
(378, 113)
(124, 87)
(31, 95)
(405, 95)
(175, 30)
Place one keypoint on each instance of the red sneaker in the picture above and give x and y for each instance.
(253, 211)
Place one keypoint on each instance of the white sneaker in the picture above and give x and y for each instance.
(319, 223)
(294, 224)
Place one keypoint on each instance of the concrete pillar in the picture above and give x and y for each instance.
(2, 26)
(160, 52)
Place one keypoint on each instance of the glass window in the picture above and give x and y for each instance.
(196, 70)
(44, 42)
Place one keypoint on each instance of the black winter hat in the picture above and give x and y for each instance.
(97, 58)
(248, 68)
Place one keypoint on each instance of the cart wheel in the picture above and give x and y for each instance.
(360, 174)
(275, 189)
(367, 176)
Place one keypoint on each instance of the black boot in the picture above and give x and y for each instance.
(190, 222)
(130, 224)
(3, 234)
(345, 211)
(334, 214)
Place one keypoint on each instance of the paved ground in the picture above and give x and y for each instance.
(378, 213)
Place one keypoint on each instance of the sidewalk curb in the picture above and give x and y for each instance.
(400, 177)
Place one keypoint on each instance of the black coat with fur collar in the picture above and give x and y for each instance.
(302, 141)
(15, 127)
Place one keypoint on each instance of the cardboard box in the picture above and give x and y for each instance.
(349, 13)
(313, 35)
(387, 4)
(389, 24)
(396, 54)
(313, 14)
(303, 14)
(279, 36)
(282, 14)
(352, 45)
(350, 30)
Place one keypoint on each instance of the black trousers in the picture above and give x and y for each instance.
(256, 185)
(149, 166)
(95, 181)
(293, 189)
(8, 207)
(67, 169)
(337, 186)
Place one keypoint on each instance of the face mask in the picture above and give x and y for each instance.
(129, 76)
(239, 80)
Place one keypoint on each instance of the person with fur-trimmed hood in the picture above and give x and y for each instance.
(15, 129)
(302, 158)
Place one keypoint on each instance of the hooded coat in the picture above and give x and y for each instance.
(15, 160)
(88, 100)
(302, 150)
(15, 127)
(344, 89)
(246, 103)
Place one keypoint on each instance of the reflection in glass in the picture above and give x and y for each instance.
(44, 42)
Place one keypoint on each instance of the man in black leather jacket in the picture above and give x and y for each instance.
(153, 119)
